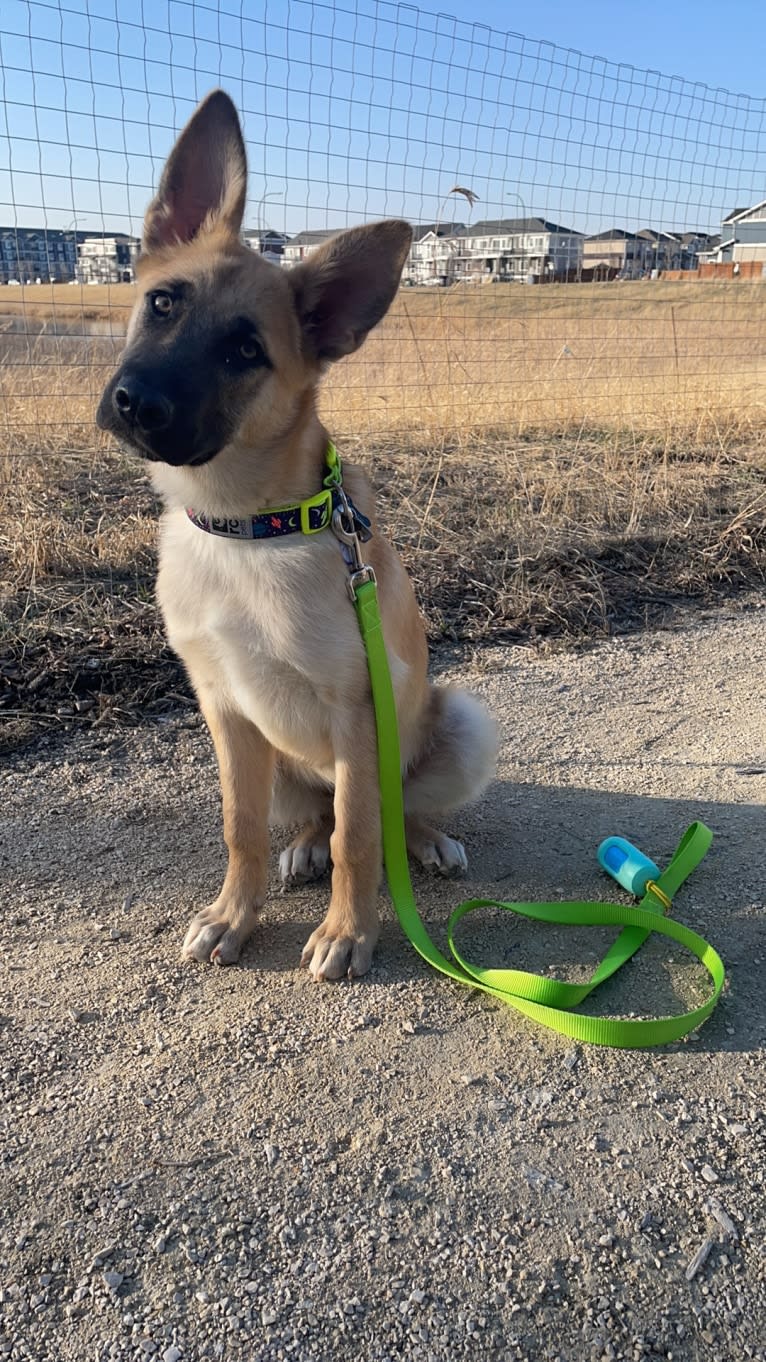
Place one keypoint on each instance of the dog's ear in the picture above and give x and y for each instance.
(204, 182)
(347, 285)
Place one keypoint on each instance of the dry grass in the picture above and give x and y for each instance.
(69, 302)
(528, 502)
(537, 541)
(674, 361)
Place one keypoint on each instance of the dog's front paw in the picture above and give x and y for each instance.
(333, 952)
(218, 933)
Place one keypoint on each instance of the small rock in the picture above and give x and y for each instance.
(113, 1280)
(699, 1259)
(101, 1256)
(272, 1154)
(409, 1027)
(268, 1316)
(714, 1208)
(570, 1059)
(709, 1174)
(172, 1354)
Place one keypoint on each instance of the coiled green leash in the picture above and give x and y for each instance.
(544, 1000)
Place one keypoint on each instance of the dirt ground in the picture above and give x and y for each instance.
(238, 1164)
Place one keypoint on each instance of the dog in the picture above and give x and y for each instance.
(217, 389)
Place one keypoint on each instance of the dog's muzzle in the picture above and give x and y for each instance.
(139, 407)
(160, 427)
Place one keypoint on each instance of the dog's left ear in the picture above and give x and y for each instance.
(347, 285)
(204, 183)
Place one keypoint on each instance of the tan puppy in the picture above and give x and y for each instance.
(217, 387)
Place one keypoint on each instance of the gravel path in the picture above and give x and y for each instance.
(238, 1164)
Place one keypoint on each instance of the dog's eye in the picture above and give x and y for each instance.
(161, 303)
(250, 350)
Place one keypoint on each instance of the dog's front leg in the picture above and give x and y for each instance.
(246, 765)
(345, 941)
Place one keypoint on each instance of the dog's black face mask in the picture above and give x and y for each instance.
(178, 394)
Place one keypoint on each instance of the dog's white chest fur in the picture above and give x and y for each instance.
(267, 629)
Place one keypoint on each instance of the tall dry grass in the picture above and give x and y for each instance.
(564, 461)
(671, 361)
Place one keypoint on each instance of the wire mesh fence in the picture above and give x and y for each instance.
(590, 239)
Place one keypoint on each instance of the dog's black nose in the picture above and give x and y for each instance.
(136, 403)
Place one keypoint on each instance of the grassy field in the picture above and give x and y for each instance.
(673, 361)
(554, 463)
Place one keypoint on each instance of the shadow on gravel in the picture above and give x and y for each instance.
(539, 843)
(531, 842)
(163, 855)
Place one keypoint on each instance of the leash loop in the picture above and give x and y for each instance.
(547, 1001)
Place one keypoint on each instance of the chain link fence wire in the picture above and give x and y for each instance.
(576, 263)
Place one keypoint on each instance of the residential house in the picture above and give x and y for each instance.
(663, 250)
(267, 243)
(107, 259)
(617, 254)
(694, 245)
(301, 246)
(522, 250)
(436, 253)
(743, 237)
(673, 250)
(511, 249)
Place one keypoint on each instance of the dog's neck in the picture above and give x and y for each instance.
(250, 474)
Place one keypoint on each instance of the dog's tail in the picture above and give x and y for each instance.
(458, 757)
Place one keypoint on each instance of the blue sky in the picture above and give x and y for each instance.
(722, 45)
(360, 108)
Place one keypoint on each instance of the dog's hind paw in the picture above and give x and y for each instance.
(306, 858)
(435, 850)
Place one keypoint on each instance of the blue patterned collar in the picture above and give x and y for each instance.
(307, 517)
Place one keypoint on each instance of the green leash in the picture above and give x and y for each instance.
(545, 1000)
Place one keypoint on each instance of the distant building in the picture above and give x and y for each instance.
(517, 250)
(436, 253)
(105, 259)
(694, 245)
(32, 254)
(663, 250)
(301, 246)
(267, 243)
(521, 250)
(743, 237)
(617, 254)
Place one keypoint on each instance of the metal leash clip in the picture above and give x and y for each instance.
(344, 527)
